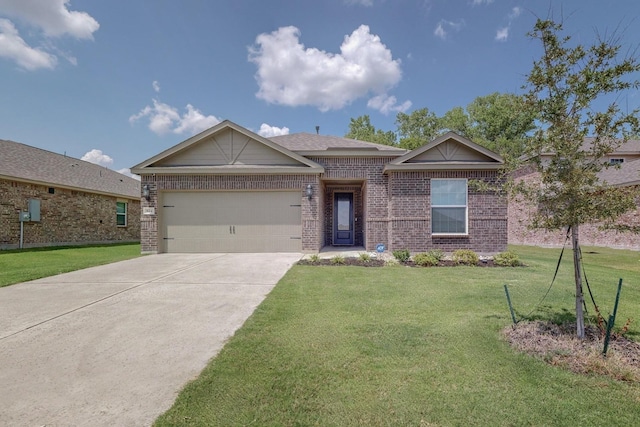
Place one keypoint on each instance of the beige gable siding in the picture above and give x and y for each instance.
(228, 147)
(449, 151)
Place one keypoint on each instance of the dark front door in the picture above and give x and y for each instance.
(343, 219)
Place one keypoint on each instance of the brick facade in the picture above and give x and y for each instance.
(590, 234)
(392, 209)
(410, 214)
(68, 217)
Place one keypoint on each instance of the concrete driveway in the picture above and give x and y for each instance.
(113, 345)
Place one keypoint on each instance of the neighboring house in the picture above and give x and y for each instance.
(69, 201)
(626, 173)
(228, 189)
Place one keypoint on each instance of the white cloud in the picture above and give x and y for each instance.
(13, 47)
(387, 104)
(54, 19)
(268, 131)
(515, 12)
(127, 172)
(290, 74)
(156, 86)
(163, 118)
(97, 157)
(477, 2)
(444, 27)
(502, 34)
(52, 16)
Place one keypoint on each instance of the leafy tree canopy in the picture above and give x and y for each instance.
(497, 121)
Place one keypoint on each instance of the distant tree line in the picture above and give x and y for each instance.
(500, 122)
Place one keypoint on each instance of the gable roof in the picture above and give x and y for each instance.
(447, 152)
(308, 144)
(227, 148)
(24, 163)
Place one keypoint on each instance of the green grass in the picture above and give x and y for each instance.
(342, 346)
(29, 264)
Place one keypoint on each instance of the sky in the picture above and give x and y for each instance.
(117, 82)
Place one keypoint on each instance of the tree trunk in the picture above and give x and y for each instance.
(578, 276)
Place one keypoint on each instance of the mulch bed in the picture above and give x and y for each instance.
(558, 345)
(381, 263)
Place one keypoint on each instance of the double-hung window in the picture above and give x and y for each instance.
(449, 206)
(121, 214)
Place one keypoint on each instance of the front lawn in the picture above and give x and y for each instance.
(29, 264)
(343, 346)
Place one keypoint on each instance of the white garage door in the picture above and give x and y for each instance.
(242, 221)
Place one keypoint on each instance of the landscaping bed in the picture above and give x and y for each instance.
(381, 263)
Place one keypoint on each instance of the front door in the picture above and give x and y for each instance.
(343, 219)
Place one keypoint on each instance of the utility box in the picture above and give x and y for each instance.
(34, 210)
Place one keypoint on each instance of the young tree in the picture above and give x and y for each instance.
(565, 88)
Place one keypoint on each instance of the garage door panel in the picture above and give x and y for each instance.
(242, 221)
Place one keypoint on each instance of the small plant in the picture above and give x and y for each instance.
(465, 256)
(507, 259)
(364, 257)
(338, 260)
(425, 259)
(402, 255)
(391, 262)
(437, 254)
(314, 258)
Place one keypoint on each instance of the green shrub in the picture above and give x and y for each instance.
(314, 258)
(338, 260)
(425, 259)
(507, 259)
(402, 255)
(465, 256)
(364, 257)
(437, 254)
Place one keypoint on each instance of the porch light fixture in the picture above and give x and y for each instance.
(309, 191)
(145, 192)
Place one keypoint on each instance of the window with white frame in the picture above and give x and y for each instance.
(121, 214)
(449, 206)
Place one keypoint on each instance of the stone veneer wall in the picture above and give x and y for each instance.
(410, 214)
(589, 234)
(67, 217)
(311, 226)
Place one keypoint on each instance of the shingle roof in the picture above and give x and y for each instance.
(627, 173)
(632, 146)
(313, 142)
(33, 164)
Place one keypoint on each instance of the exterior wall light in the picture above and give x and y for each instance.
(146, 193)
(309, 191)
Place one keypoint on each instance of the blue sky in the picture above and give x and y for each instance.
(116, 82)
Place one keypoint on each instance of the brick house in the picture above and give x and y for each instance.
(78, 202)
(231, 190)
(626, 173)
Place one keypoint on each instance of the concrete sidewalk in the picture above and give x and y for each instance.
(113, 345)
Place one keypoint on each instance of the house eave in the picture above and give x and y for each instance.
(349, 153)
(415, 167)
(226, 170)
(69, 187)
